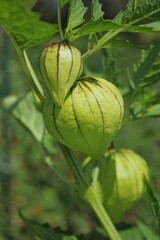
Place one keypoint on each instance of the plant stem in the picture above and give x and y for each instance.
(75, 167)
(94, 201)
(60, 20)
(33, 81)
(107, 37)
(90, 194)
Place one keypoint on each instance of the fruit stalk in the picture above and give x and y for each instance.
(91, 196)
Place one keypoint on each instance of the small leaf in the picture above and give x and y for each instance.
(153, 111)
(24, 25)
(76, 15)
(150, 79)
(96, 10)
(142, 12)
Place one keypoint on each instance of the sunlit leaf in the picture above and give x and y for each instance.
(76, 15)
(24, 25)
(96, 10)
(102, 25)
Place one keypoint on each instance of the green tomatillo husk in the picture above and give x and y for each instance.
(122, 180)
(60, 65)
(89, 118)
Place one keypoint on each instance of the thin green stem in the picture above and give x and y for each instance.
(33, 81)
(60, 20)
(35, 85)
(107, 37)
(90, 194)
(61, 176)
(94, 201)
(75, 167)
(53, 166)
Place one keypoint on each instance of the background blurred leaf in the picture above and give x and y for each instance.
(24, 25)
(153, 200)
(142, 11)
(69, 238)
(42, 231)
(153, 111)
(24, 110)
(144, 66)
(131, 234)
(110, 69)
(140, 232)
(146, 232)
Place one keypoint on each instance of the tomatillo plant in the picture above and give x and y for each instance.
(82, 110)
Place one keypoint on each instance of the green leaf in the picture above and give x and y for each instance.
(146, 105)
(142, 11)
(24, 25)
(45, 231)
(110, 70)
(153, 111)
(120, 43)
(92, 27)
(96, 10)
(29, 3)
(146, 232)
(148, 58)
(76, 15)
(25, 112)
(140, 232)
(150, 79)
(42, 231)
(102, 25)
(131, 234)
(69, 238)
(62, 3)
(153, 200)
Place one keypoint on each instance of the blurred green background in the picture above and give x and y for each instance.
(26, 180)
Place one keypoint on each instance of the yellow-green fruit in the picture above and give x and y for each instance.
(60, 65)
(89, 118)
(122, 179)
